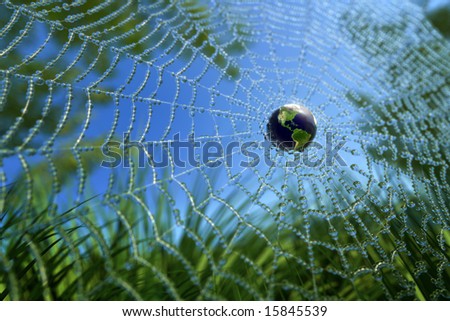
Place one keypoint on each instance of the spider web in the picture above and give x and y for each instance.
(76, 77)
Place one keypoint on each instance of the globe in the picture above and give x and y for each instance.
(291, 127)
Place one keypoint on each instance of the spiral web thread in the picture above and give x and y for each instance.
(76, 76)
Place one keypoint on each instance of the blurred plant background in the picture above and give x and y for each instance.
(77, 75)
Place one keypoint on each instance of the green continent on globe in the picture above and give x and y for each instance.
(300, 136)
(286, 114)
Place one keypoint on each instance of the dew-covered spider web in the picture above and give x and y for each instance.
(85, 83)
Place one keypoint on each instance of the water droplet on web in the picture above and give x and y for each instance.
(334, 234)
(357, 184)
(411, 204)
